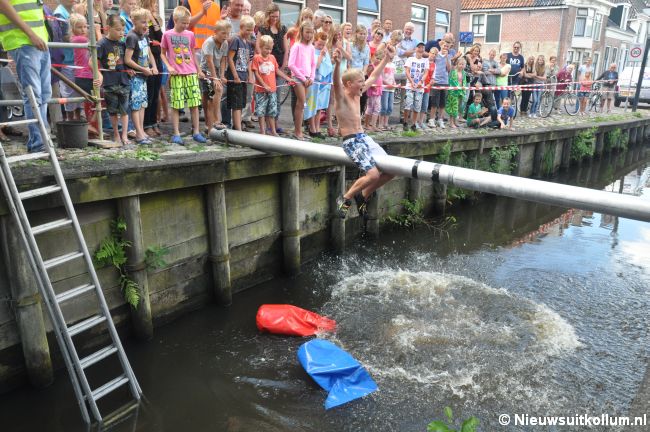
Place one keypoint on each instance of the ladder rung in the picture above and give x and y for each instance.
(39, 192)
(62, 259)
(19, 122)
(74, 292)
(27, 157)
(97, 356)
(86, 324)
(39, 229)
(109, 387)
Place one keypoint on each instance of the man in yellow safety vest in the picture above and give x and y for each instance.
(23, 35)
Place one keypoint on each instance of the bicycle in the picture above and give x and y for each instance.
(595, 102)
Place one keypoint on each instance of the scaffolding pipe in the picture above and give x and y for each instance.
(92, 47)
(499, 184)
(68, 44)
(51, 101)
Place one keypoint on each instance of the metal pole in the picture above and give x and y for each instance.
(92, 46)
(639, 83)
(482, 181)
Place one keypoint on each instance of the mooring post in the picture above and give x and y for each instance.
(27, 307)
(632, 135)
(639, 134)
(136, 267)
(415, 187)
(338, 224)
(566, 153)
(219, 248)
(290, 221)
(600, 143)
(540, 148)
(372, 225)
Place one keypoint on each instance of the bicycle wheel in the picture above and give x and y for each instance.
(571, 102)
(595, 103)
(514, 103)
(284, 93)
(546, 104)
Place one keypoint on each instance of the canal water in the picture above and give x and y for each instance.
(519, 309)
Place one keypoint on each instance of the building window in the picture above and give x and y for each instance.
(598, 22)
(368, 12)
(493, 29)
(420, 18)
(443, 18)
(595, 59)
(289, 11)
(334, 8)
(478, 25)
(569, 57)
(584, 23)
(606, 61)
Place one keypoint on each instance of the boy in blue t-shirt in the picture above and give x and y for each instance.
(505, 115)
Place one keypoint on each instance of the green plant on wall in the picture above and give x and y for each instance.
(616, 138)
(547, 160)
(583, 144)
(153, 257)
(502, 159)
(112, 252)
(468, 425)
(445, 153)
(413, 216)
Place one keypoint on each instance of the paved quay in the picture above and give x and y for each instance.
(162, 148)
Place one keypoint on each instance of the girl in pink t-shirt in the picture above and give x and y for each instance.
(302, 64)
(83, 74)
(373, 105)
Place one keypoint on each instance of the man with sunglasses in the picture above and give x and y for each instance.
(516, 61)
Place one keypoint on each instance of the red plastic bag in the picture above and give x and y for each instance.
(291, 320)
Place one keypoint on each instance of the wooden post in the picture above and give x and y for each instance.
(338, 224)
(27, 307)
(136, 267)
(415, 187)
(639, 135)
(219, 248)
(538, 159)
(600, 143)
(372, 225)
(566, 153)
(632, 136)
(290, 221)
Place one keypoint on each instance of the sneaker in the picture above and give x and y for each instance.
(199, 138)
(176, 139)
(441, 124)
(405, 126)
(414, 128)
(342, 206)
(144, 141)
(432, 123)
(361, 204)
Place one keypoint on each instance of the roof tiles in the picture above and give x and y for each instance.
(499, 4)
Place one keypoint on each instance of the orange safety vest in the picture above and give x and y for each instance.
(205, 27)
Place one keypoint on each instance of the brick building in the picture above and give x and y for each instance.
(569, 29)
(431, 17)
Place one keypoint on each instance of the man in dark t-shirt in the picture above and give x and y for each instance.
(516, 61)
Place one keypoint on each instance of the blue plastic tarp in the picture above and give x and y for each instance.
(336, 371)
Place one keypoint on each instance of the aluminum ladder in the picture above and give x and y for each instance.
(86, 397)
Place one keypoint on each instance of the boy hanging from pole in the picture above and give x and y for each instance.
(359, 147)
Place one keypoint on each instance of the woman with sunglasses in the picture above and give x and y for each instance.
(376, 41)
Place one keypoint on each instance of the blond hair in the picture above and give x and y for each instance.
(360, 44)
(181, 12)
(222, 25)
(266, 40)
(351, 74)
(139, 14)
(259, 18)
(76, 19)
(246, 21)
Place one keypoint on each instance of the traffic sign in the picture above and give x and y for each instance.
(636, 51)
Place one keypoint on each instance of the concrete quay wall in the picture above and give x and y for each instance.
(227, 220)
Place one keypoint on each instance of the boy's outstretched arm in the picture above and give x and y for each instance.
(337, 84)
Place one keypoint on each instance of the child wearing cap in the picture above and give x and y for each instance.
(415, 68)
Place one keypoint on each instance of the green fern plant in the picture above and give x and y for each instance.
(468, 425)
(154, 257)
(112, 252)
